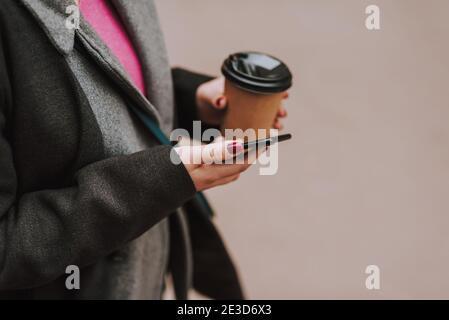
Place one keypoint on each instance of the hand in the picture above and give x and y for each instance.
(212, 103)
(204, 163)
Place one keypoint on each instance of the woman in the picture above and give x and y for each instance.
(82, 180)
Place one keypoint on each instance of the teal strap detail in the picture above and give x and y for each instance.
(151, 125)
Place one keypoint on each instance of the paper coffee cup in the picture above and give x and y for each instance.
(254, 86)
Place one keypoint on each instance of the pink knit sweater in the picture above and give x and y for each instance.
(105, 21)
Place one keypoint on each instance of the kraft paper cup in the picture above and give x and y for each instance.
(254, 86)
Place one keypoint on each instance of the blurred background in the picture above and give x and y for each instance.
(366, 178)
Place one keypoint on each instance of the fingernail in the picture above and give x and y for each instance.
(234, 147)
(219, 102)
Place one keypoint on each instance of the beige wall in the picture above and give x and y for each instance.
(366, 178)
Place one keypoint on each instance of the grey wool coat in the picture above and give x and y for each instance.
(82, 181)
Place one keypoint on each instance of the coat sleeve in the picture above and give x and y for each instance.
(110, 203)
(185, 85)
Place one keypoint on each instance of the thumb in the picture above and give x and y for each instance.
(220, 102)
(221, 150)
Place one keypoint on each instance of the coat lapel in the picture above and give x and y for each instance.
(141, 22)
(99, 51)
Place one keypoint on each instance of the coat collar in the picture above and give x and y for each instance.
(141, 21)
(52, 16)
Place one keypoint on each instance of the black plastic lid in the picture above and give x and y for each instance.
(257, 72)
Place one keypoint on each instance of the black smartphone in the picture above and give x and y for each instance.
(267, 141)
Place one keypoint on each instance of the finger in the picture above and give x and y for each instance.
(282, 112)
(217, 152)
(220, 102)
(208, 176)
(221, 150)
(220, 171)
(190, 154)
(224, 181)
(278, 125)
